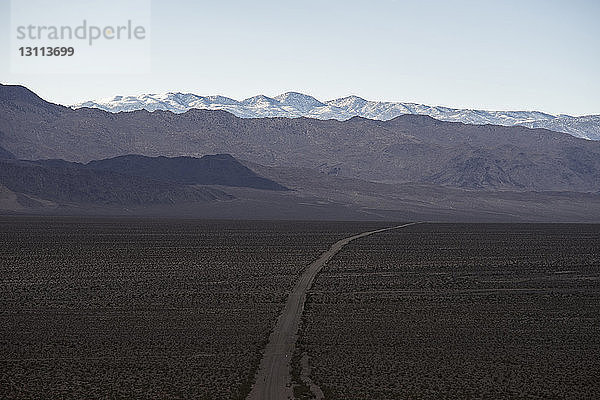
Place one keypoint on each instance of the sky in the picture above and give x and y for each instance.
(495, 55)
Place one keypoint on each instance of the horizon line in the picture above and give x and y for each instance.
(468, 108)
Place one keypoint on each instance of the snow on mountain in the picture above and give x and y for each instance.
(294, 105)
(222, 100)
(587, 127)
(299, 101)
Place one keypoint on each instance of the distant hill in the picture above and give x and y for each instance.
(19, 97)
(220, 169)
(130, 180)
(74, 184)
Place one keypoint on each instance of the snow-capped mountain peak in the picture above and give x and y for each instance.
(221, 100)
(351, 102)
(295, 104)
(299, 101)
(260, 100)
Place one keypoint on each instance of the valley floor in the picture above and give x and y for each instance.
(459, 311)
(167, 308)
(144, 309)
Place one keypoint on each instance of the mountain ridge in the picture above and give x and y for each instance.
(296, 104)
(409, 167)
(68, 183)
(409, 148)
(218, 169)
(130, 180)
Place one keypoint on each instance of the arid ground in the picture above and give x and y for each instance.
(136, 308)
(459, 311)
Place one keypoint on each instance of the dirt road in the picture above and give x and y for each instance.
(273, 381)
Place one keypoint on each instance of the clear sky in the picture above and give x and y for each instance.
(510, 54)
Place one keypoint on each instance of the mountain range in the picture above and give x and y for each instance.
(294, 105)
(213, 164)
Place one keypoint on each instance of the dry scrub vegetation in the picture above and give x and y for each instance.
(465, 311)
(166, 309)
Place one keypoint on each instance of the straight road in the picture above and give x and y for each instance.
(273, 381)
